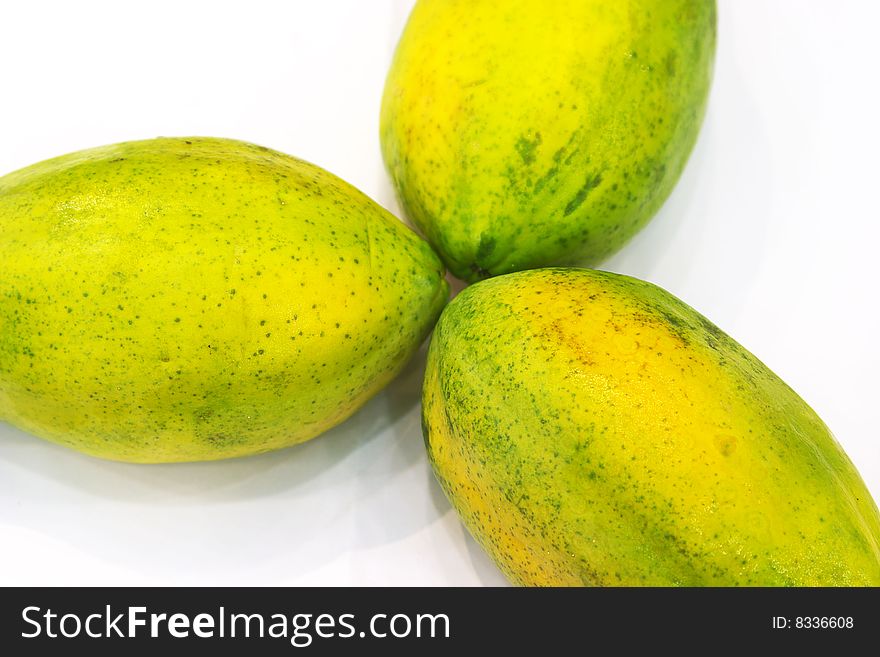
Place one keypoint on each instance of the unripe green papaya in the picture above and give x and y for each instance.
(592, 429)
(195, 299)
(528, 133)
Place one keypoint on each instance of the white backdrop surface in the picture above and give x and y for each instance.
(772, 233)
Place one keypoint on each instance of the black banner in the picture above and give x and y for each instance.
(279, 621)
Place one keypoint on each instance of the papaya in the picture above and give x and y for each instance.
(527, 133)
(185, 299)
(593, 429)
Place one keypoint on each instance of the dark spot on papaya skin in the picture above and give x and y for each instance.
(676, 326)
(671, 63)
(547, 177)
(591, 183)
(710, 328)
(221, 439)
(479, 271)
(526, 147)
(486, 247)
(203, 414)
(426, 433)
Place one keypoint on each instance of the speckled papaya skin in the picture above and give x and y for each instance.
(592, 429)
(194, 299)
(528, 133)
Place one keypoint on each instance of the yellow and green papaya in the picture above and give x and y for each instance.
(528, 133)
(592, 429)
(195, 299)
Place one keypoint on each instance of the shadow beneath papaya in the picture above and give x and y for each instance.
(251, 520)
(459, 539)
(484, 568)
(707, 243)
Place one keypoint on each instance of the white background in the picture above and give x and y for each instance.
(772, 232)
